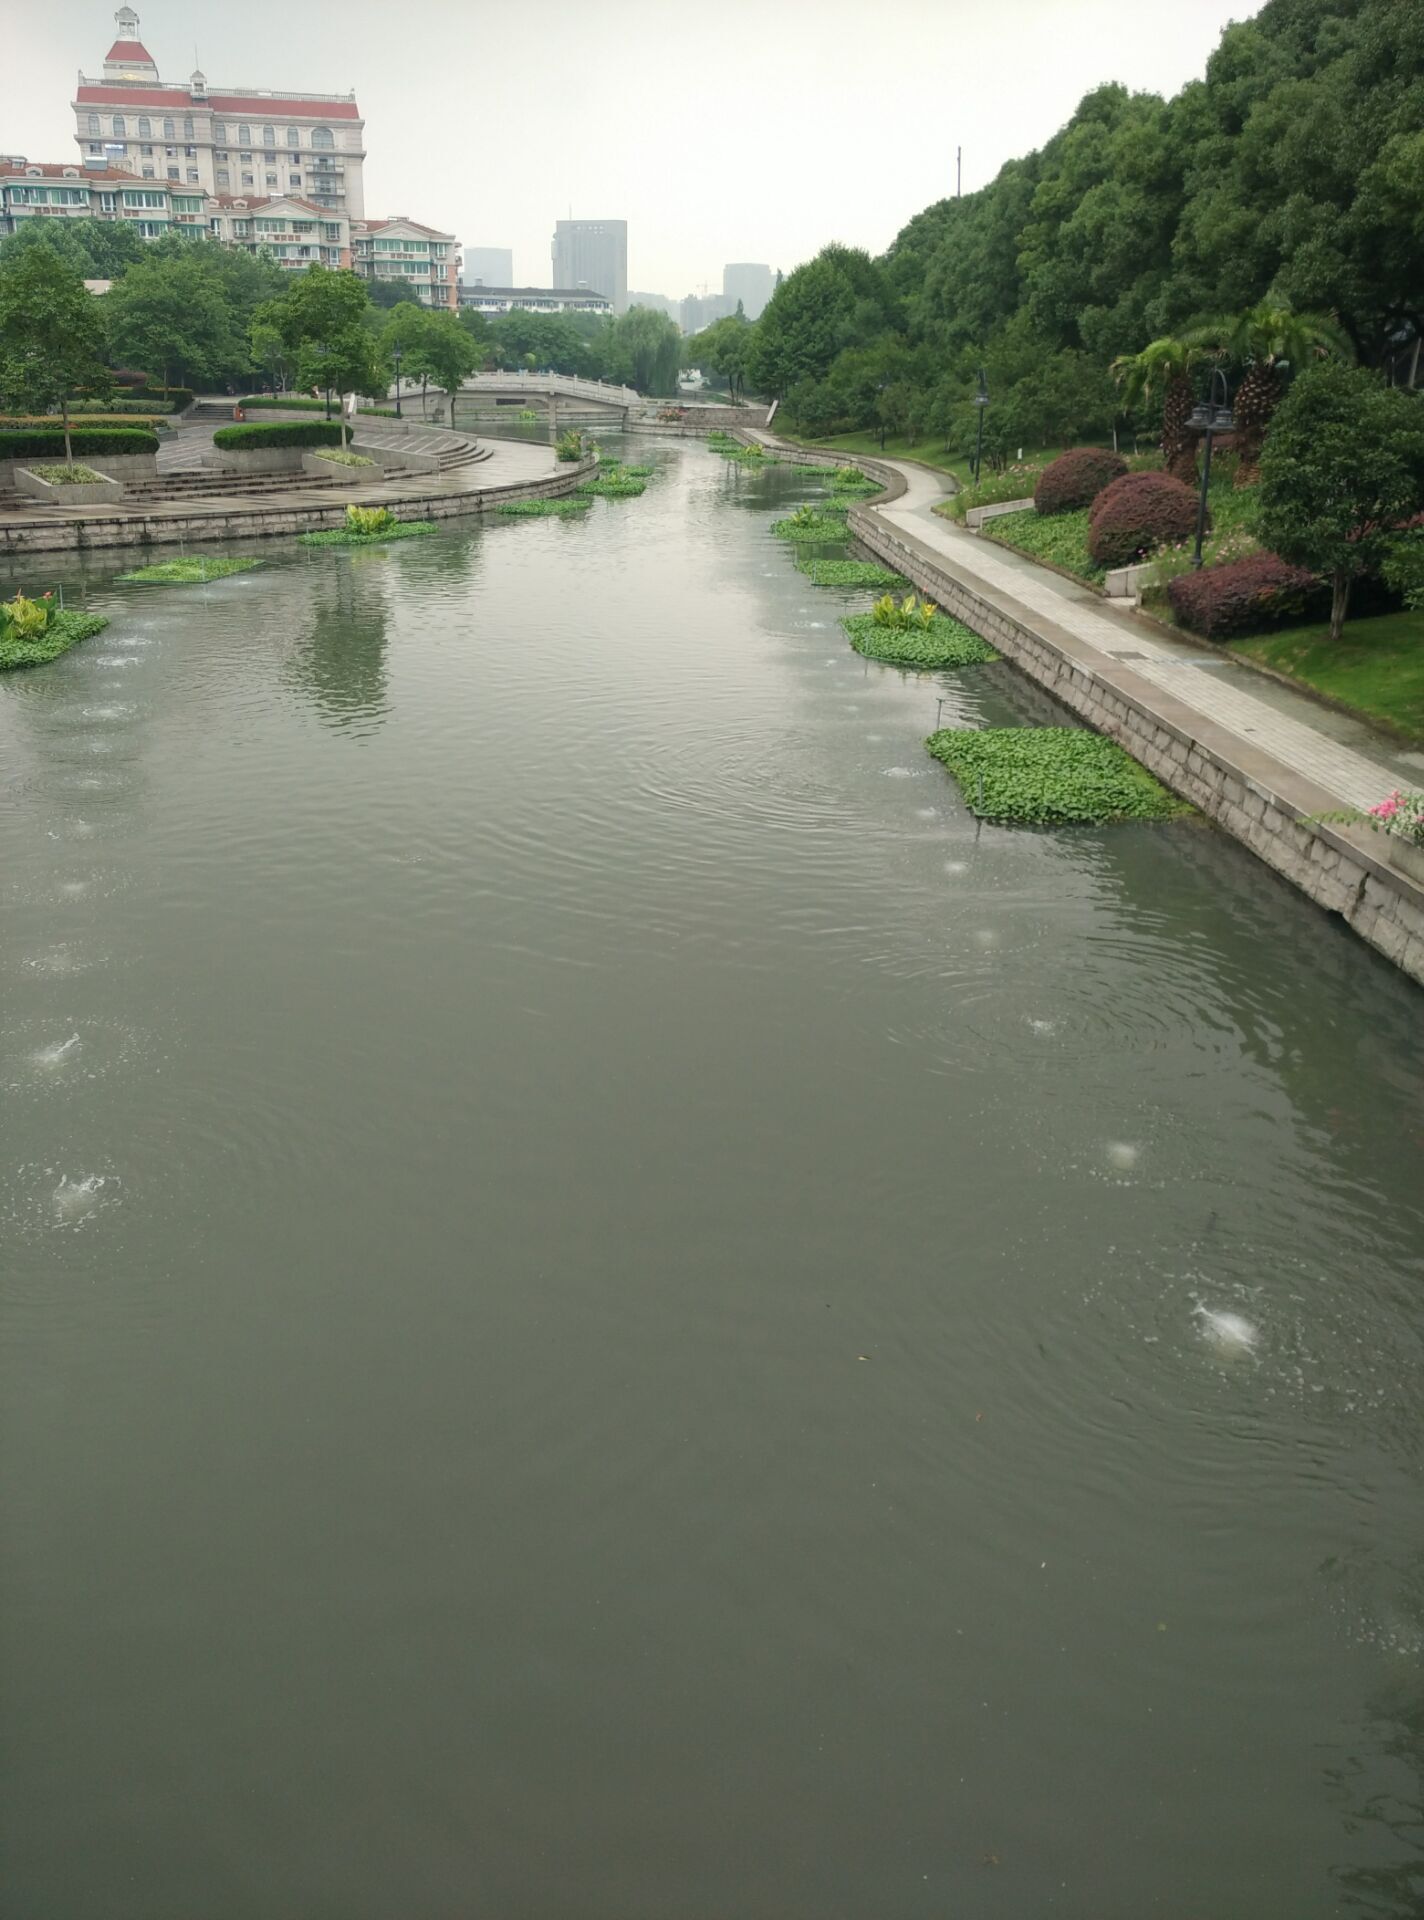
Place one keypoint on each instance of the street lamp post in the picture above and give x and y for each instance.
(981, 400)
(396, 356)
(1211, 416)
(325, 382)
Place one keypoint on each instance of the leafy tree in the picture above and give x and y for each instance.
(1342, 468)
(1264, 340)
(392, 293)
(835, 301)
(725, 347)
(169, 315)
(52, 334)
(321, 321)
(95, 249)
(434, 346)
(644, 348)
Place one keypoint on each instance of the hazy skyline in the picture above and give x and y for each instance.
(836, 121)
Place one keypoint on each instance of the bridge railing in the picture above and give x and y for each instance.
(568, 384)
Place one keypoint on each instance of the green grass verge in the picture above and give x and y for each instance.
(562, 508)
(1061, 538)
(944, 643)
(1376, 669)
(896, 448)
(343, 536)
(66, 630)
(825, 527)
(850, 573)
(1051, 776)
(192, 571)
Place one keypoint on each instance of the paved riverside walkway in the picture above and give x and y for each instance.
(1338, 754)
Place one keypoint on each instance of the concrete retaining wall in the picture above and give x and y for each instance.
(1345, 870)
(975, 517)
(259, 460)
(167, 528)
(404, 459)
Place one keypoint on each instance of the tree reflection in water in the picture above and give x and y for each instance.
(340, 661)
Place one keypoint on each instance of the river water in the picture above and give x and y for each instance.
(611, 1311)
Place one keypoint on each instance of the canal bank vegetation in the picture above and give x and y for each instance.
(192, 570)
(614, 483)
(564, 508)
(1050, 776)
(35, 631)
(368, 527)
(811, 523)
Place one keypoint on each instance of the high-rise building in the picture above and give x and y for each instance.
(659, 303)
(489, 266)
(218, 140)
(699, 310)
(593, 254)
(750, 283)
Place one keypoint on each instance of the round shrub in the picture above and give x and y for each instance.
(1136, 515)
(1245, 596)
(1076, 478)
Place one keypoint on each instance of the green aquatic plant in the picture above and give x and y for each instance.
(613, 483)
(808, 524)
(903, 616)
(23, 643)
(1051, 776)
(938, 642)
(373, 527)
(193, 570)
(563, 508)
(849, 573)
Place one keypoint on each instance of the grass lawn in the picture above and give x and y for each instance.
(1377, 670)
(1059, 537)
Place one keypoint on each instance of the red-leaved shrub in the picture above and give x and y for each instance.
(1136, 515)
(1076, 478)
(1245, 596)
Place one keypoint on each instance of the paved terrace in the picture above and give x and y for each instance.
(1256, 755)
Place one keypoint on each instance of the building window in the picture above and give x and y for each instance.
(193, 175)
(321, 137)
(219, 130)
(144, 129)
(294, 180)
(148, 173)
(246, 159)
(173, 173)
(244, 136)
(269, 137)
(95, 147)
(270, 179)
(93, 123)
(247, 180)
(192, 152)
(222, 176)
(106, 203)
(120, 130)
(146, 152)
(220, 156)
(187, 126)
(168, 132)
(294, 138)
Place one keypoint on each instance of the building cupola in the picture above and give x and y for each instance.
(128, 58)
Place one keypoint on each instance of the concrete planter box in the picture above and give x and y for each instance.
(101, 492)
(407, 459)
(318, 469)
(976, 516)
(261, 460)
(127, 466)
(1123, 582)
(1408, 858)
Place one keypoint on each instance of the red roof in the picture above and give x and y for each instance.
(271, 110)
(377, 226)
(59, 169)
(132, 51)
(252, 203)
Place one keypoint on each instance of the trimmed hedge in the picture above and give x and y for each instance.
(301, 403)
(1245, 596)
(1076, 478)
(1137, 514)
(263, 437)
(40, 443)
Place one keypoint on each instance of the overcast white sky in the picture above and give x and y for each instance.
(748, 130)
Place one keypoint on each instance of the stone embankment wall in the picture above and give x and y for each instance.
(1344, 870)
(705, 420)
(165, 527)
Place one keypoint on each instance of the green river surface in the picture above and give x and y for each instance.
(606, 1305)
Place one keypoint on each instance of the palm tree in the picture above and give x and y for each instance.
(1264, 340)
(1164, 366)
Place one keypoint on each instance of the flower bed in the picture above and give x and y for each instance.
(1059, 538)
(944, 642)
(34, 632)
(68, 476)
(193, 570)
(342, 457)
(1050, 776)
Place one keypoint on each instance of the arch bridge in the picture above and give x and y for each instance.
(556, 393)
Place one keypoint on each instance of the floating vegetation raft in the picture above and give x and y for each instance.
(545, 509)
(1051, 776)
(642, 471)
(616, 484)
(348, 537)
(944, 642)
(753, 456)
(807, 523)
(852, 480)
(38, 648)
(849, 573)
(194, 570)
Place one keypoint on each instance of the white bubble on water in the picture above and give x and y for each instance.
(875, 738)
(73, 1199)
(956, 866)
(927, 813)
(1229, 1333)
(1043, 1028)
(57, 1054)
(1121, 1154)
(986, 937)
(899, 773)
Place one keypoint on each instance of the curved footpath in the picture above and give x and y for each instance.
(1255, 756)
(510, 470)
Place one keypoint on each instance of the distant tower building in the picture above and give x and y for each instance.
(593, 254)
(489, 266)
(749, 283)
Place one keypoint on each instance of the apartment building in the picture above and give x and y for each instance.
(219, 139)
(401, 249)
(61, 190)
(296, 233)
(593, 254)
(494, 301)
